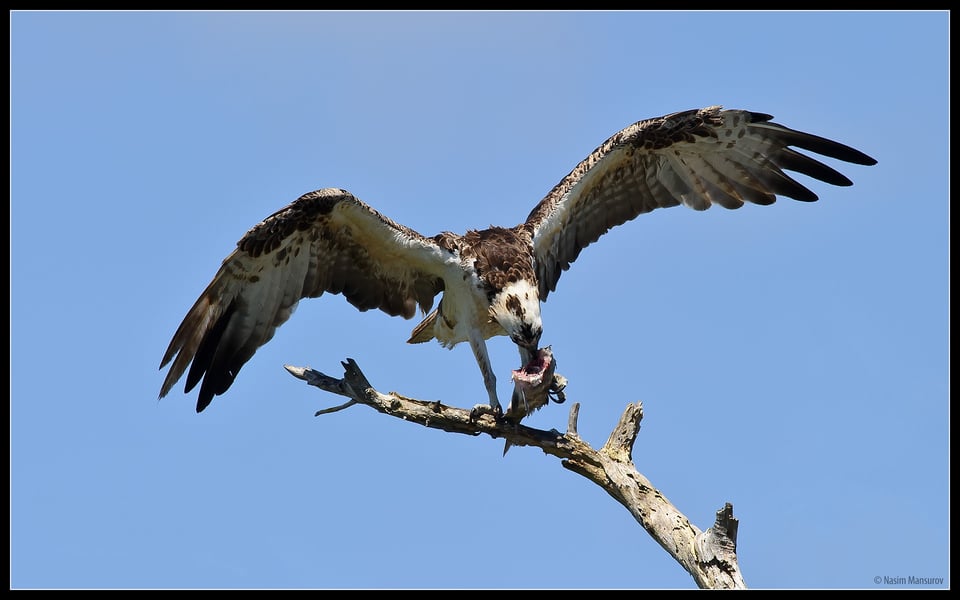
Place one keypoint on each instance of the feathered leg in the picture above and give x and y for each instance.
(479, 347)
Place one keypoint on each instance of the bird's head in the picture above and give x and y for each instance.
(517, 309)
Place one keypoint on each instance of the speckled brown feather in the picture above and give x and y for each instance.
(325, 241)
(696, 157)
(500, 256)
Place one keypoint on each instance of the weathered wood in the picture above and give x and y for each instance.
(710, 557)
(717, 546)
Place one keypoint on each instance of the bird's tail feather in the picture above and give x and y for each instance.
(424, 331)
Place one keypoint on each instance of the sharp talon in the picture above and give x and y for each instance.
(485, 409)
(556, 389)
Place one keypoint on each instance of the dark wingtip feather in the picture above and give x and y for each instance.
(203, 360)
(218, 380)
(204, 401)
(758, 117)
(824, 146)
(801, 163)
(803, 194)
(852, 155)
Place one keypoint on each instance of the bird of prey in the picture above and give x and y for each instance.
(491, 281)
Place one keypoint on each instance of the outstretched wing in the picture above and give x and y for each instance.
(697, 158)
(325, 241)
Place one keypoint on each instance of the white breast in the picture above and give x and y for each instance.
(464, 308)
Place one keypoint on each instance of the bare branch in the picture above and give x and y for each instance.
(718, 545)
(572, 420)
(710, 557)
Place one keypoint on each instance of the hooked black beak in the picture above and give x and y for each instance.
(528, 340)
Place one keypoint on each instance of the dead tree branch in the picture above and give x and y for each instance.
(709, 556)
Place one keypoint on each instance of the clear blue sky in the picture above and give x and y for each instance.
(792, 359)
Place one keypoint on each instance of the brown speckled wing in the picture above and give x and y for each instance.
(697, 158)
(325, 241)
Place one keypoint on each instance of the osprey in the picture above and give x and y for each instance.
(493, 280)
